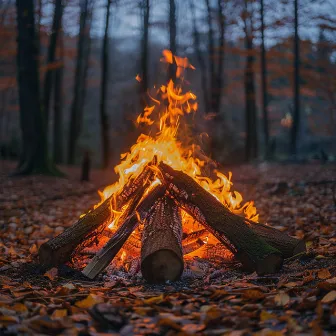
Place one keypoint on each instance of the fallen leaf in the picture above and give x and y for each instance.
(253, 294)
(20, 308)
(324, 274)
(59, 313)
(330, 297)
(281, 299)
(52, 273)
(292, 284)
(265, 316)
(328, 285)
(6, 320)
(166, 322)
(192, 328)
(89, 301)
(154, 300)
(33, 249)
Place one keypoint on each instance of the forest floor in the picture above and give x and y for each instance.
(301, 299)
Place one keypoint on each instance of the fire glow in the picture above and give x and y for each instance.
(163, 118)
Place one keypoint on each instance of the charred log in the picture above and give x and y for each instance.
(59, 249)
(161, 251)
(251, 250)
(129, 223)
(193, 246)
(194, 236)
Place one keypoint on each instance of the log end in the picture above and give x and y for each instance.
(300, 248)
(46, 254)
(161, 266)
(270, 264)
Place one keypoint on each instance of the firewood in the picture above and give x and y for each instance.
(287, 245)
(251, 250)
(194, 236)
(161, 250)
(130, 222)
(59, 249)
(193, 246)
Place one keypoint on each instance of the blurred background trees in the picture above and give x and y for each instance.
(265, 76)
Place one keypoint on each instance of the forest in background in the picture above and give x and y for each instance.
(265, 76)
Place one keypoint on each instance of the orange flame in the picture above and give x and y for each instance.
(165, 145)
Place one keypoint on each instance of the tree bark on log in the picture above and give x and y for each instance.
(104, 257)
(161, 250)
(251, 250)
(287, 245)
(59, 249)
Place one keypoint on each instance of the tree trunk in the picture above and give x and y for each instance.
(172, 37)
(58, 107)
(296, 103)
(104, 80)
(144, 52)
(161, 250)
(252, 251)
(75, 109)
(211, 53)
(34, 158)
(56, 26)
(86, 66)
(200, 59)
(251, 140)
(219, 75)
(58, 250)
(129, 222)
(264, 81)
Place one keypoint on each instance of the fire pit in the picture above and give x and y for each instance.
(167, 206)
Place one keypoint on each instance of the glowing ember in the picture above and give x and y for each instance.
(164, 142)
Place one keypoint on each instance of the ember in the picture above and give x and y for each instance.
(164, 194)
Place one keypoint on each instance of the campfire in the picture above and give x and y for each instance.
(168, 205)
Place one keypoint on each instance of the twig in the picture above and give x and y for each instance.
(296, 256)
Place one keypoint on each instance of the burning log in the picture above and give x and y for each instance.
(251, 250)
(59, 249)
(193, 236)
(191, 247)
(161, 251)
(130, 221)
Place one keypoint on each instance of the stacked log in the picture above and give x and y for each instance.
(251, 250)
(59, 249)
(161, 250)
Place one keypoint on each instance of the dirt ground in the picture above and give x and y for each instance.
(301, 299)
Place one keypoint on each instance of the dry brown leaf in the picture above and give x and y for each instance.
(59, 313)
(281, 299)
(20, 308)
(52, 273)
(167, 322)
(324, 274)
(89, 301)
(154, 300)
(330, 297)
(33, 249)
(6, 320)
(265, 316)
(253, 294)
(292, 284)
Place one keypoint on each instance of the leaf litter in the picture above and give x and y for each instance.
(208, 300)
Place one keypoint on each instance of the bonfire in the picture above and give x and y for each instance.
(168, 206)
